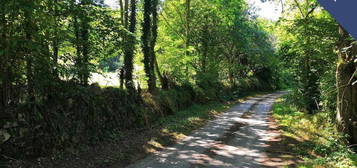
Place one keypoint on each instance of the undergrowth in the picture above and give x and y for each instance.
(321, 146)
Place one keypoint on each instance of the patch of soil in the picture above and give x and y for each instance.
(246, 115)
(227, 136)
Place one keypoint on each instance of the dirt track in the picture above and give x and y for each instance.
(238, 138)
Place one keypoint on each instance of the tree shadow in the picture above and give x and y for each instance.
(280, 148)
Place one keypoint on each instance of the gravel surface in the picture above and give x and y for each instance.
(238, 138)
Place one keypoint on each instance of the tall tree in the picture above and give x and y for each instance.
(154, 34)
(130, 49)
(30, 31)
(4, 60)
(54, 9)
(149, 29)
(124, 14)
(308, 77)
(81, 29)
(346, 77)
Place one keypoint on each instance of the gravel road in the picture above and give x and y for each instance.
(237, 138)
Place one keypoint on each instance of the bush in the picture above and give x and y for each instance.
(73, 114)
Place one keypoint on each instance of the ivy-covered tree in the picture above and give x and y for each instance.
(129, 50)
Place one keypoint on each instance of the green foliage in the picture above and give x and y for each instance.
(306, 47)
(200, 51)
(312, 46)
(78, 115)
(320, 144)
(195, 116)
(226, 44)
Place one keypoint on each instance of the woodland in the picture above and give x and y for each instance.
(168, 56)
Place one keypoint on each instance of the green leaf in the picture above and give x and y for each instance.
(4, 136)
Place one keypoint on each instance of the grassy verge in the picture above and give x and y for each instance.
(319, 143)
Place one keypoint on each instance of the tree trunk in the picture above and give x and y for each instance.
(346, 92)
(121, 6)
(85, 51)
(126, 13)
(55, 41)
(29, 58)
(121, 77)
(187, 31)
(129, 51)
(123, 18)
(188, 11)
(4, 78)
(164, 83)
(153, 61)
(81, 30)
(146, 25)
(78, 63)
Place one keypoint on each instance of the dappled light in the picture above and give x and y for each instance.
(176, 83)
(228, 141)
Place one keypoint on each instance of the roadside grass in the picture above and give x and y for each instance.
(320, 145)
(175, 127)
(183, 122)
